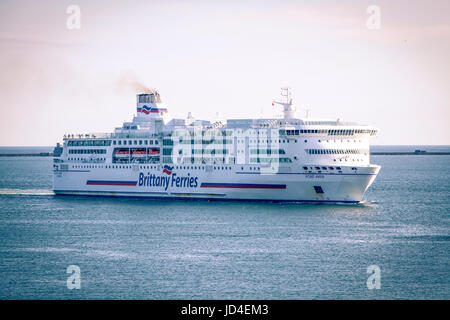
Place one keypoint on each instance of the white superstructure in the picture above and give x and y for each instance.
(276, 159)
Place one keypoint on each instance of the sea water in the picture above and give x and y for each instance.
(148, 249)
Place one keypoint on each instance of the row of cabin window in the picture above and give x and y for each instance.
(207, 133)
(84, 159)
(135, 149)
(267, 151)
(201, 142)
(201, 168)
(168, 152)
(200, 160)
(169, 142)
(335, 151)
(88, 143)
(87, 151)
(187, 167)
(87, 167)
(110, 167)
(205, 142)
(267, 141)
(270, 160)
(285, 141)
(213, 168)
(350, 132)
(300, 131)
(134, 142)
(157, 167)
(324, 168)
(345, 132)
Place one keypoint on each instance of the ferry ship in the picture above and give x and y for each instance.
(270, 159)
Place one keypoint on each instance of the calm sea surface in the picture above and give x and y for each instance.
(145, 249)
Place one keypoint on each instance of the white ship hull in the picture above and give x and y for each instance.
(345, 187)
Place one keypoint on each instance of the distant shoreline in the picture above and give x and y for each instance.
(423, 153)
(39, 154)
(420, 153)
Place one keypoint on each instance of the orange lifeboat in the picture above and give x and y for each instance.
(138, 153)
(153, 151)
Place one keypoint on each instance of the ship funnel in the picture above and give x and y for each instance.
(149, 104)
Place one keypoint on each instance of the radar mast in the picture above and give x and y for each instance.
(286, 102)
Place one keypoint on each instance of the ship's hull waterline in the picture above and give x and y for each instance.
(248, 186)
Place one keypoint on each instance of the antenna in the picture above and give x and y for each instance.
(287, 103)
(285, 92)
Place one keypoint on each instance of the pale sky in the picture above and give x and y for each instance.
(230, 57)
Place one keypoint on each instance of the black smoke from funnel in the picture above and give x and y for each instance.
(128, 81)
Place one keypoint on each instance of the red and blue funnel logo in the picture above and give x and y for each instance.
(147, 110)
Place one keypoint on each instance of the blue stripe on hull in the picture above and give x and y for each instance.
(312, 173)
(242, 185)
(110, 183)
